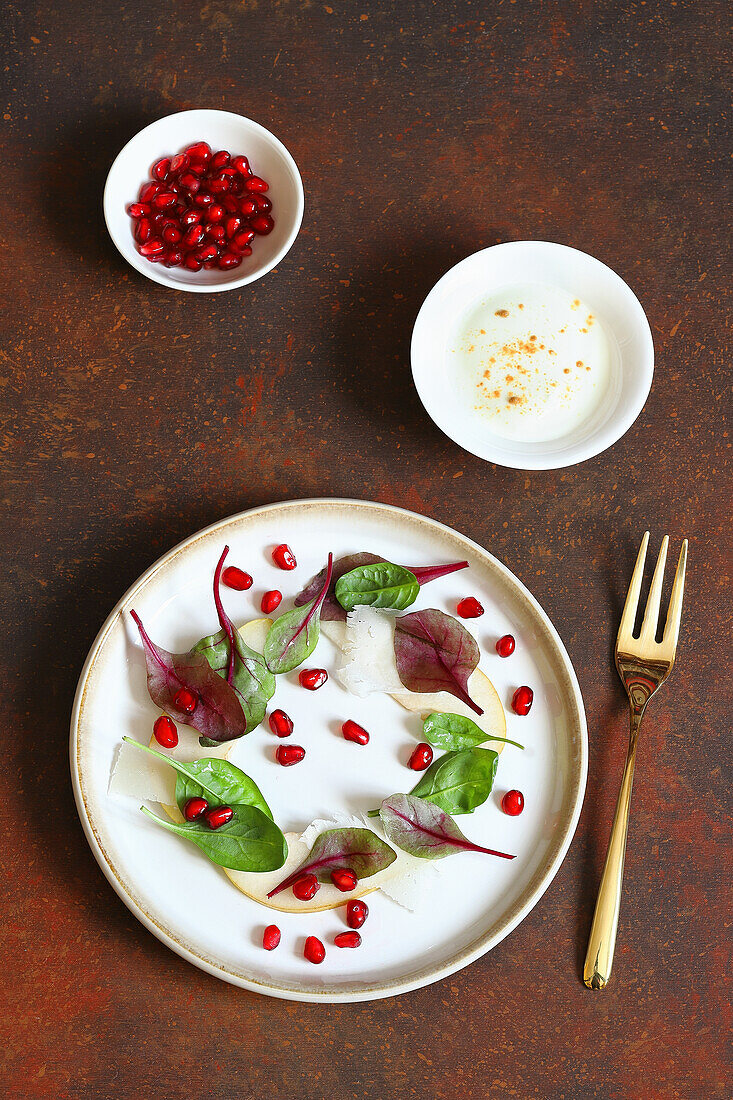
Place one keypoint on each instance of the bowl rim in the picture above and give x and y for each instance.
(554, 458)
(152, 271)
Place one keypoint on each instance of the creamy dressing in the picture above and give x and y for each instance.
(533, 362)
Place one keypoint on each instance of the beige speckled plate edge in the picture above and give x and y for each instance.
(493, 935)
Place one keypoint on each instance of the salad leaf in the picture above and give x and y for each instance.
(332, 611)
(218, 781)
(251, 841)
(378, 585)
(435, 653)
(218, 714)
(230, 657)
(424, 830)
(293, 637)
(459, 781)
(454, 731)
(359, 850)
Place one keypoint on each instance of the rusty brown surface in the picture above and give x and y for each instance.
(133, 415)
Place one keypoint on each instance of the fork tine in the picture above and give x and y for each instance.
(651, 615)
(674, 615)
(632, 598)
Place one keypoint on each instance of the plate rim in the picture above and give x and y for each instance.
(393, 987)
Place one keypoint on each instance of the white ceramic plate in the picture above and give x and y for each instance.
(557, 267)
(189, 904)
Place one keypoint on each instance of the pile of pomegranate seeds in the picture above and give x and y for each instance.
(200, 209)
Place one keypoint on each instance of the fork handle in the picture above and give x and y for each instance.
(602, 940)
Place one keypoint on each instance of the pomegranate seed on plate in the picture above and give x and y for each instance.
(357, 912)
(271, 937)
(347, 939)
(164, 200)
(262, 224)
(242, 165)
(208, 252)
(352, 731)
(143, 230)
(422, 757)
(218, 186)
(306, 887)
(256, 183)
(191, 217)
(271, 600)
(344, 880)
(470, 608)
(171, 235)
(314, 951)
(243, 239)
(236, 578)
(194, 808)
(165, 732)
(284, 557)
(215, 213)
(263, 204)
(173, 258)
(149, 190)
(191, 182)
(192, 263)
(162, 168)
(194, 236)
(220, 159)
(179, 162)
(247, 207)
(232, 224)
(505, 645)
(152, 247)
(312, 678)
(204, 198)
(200, 150)
(216, 233)
(287, 755)
(185, 700)
(229, 259)
(281, 723)
(218, 817)
(138, 209)
(522, 700)
(512, 803)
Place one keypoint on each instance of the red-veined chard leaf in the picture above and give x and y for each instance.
(218, 715)
(424, 830)
(232, 658)
(460, 781)
(332, 611)
(434, 652)
(250, 841)
(293, 637)
(455, 731)
(358, 850)
(379, 585)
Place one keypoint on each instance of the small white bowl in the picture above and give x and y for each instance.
(554, 265)
(223, 130)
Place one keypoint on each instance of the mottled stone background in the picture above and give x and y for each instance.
(133, 415)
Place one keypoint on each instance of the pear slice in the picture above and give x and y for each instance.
(256, 885)
(483, 693)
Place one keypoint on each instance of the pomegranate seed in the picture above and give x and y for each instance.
(192, 263)
(162, 168)
(256, 183)
(284, 557)
(245, 251)
(347, 939)
(229, 259)
(230, 204)
(281, 723)
(271, 937)
(313, 678)
(138, 209)
(220, 159)
(263, 204)
(153, 247)
(190, 182)
(470, 608)
(287, 755)
(208, 252)
(505, 646)
(200, 150)
(173, 258)
(143, 230)
(191, 217)
(232, 224)
(344, 880)
(218, 186)
(314, 951)
(422, 757)
(204, 198)
(522, 700)
(165, 732)
(243, 240)
(216, 232)
(247, 207)
(194, 808)
(271, 600)
(149, 190)
(164, 200)
(218, 817)
(352, 731)
(194, 236)
(512, 803)
(306, 887)
(215, 213)
(171, 235)
(236, 578)
(242, 165)
(357, 912)
(179, 162)
(262, 224)
(185, 700)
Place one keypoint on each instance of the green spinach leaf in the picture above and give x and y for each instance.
(453, 731)
(378, 585)
(459, 781)
(251, 841)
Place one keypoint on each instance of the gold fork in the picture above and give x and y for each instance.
(643, 665)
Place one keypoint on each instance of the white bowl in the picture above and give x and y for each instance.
(223, 130)
(554, 265)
